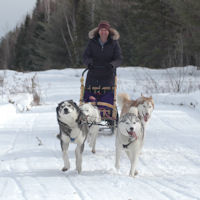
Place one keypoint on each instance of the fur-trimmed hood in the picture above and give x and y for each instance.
(114, 34)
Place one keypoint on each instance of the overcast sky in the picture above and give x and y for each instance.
(13, 12)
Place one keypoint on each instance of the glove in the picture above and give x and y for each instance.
(90, 66)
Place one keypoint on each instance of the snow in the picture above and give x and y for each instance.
(6, 109)
(30, 154)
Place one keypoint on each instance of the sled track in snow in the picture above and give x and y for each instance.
(79, 195)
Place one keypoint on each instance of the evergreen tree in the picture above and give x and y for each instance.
(66, 34)
(28, 47)
(22, 60)
(155, 32)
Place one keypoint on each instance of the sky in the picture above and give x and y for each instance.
(13, 12)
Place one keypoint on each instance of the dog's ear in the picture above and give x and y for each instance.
(71, 101)
(74, 105)
(60, 103)
(58, 107)
(123, 118)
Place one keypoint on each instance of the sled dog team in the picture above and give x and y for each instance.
(78, 123)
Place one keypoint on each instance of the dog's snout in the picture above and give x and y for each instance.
(131, 129)
(66, 111)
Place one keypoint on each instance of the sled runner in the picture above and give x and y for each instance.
(104, 97)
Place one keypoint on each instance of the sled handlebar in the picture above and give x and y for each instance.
(84, 71)
(97, 67)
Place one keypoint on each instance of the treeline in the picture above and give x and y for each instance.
(154, 33)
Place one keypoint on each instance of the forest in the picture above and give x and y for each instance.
(153, 33)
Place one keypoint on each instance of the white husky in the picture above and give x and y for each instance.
(142, 108)
(93, 118)
(129, 137)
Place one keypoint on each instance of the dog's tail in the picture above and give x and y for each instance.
(122, 98)
(134, 110)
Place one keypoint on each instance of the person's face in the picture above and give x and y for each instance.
(103, 32)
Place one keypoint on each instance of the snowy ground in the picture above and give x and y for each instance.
(169, 167)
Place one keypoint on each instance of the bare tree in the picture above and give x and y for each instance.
(92, 11)
(70, 16)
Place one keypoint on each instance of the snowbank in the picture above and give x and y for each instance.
(191, 100)
(23, 101)
(7, 111)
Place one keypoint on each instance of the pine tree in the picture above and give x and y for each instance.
(22, 60)
(156, 32)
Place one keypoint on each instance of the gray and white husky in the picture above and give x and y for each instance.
(73, 129)
(129, 138)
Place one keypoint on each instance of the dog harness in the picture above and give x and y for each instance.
(67, 130)
(125, 146)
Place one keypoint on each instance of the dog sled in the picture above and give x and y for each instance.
(104, 97)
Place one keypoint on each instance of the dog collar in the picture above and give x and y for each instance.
(72, 139)
(125, 146)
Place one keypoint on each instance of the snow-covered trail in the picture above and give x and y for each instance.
(30, 161)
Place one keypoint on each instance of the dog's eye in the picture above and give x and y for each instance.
(127, 122)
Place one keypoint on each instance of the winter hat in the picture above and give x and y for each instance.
(104, 24)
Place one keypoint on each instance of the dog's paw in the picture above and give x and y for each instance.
(136, 173)
(79, 170)
(64, 169)
(93, 151)
(133, 174)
